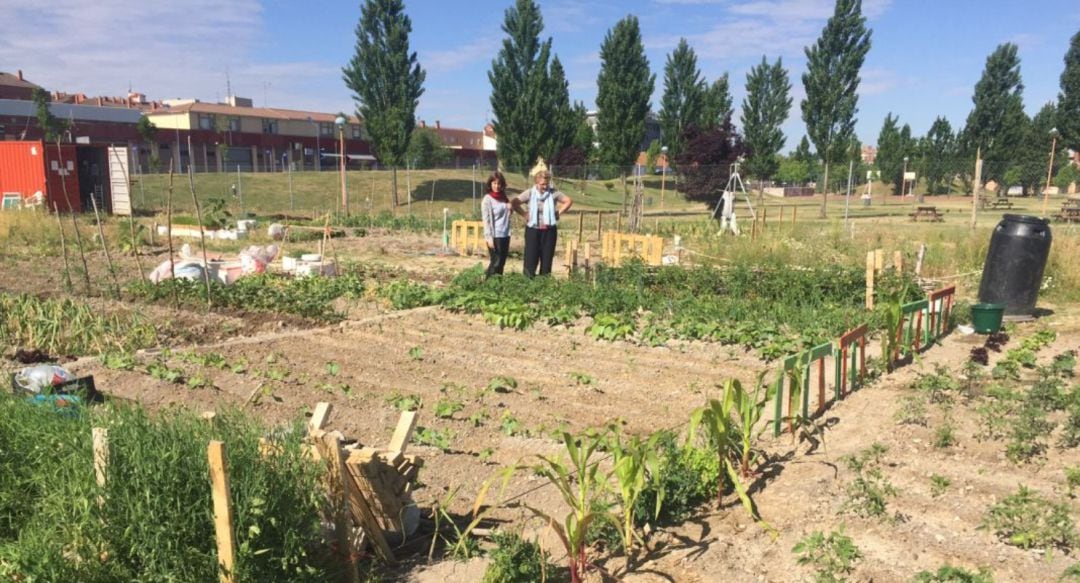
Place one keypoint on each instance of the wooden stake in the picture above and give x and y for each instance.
(63, 248)
(898, 261)
(403, 432)
(101, 454)
(869, 280)
(223, 512)
(879, 259)
(339, 487)
(320, 416)
(168, 235)
(919, 260)
(580, 227)
(202, 231)
(105, 248)
(618, 223)
(599, 223)
(794, 209)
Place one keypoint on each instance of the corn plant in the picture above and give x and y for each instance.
(728, 424)
(634, 460)
(579, 485)
(463, 545)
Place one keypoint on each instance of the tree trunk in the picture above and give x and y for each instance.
(625, 194)
(393, 190)
(825, 192)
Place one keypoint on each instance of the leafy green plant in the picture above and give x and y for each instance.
(1026, 433)
(516, 560)
(610, 327)
(950, 574)
(581, 378)
(945, 434)
(832, 556)
(511, 426)
(868, 493)
(502, 384)
(1072, 480)
(403, 402)
(119, 360)
(685, 477)
(161, 371)
(333, 369)
(416, 353)
(1027, 520)
(911, 411)
(441, 439)
(445, 408)
(939, 387)
(938, 485)
(633, 460)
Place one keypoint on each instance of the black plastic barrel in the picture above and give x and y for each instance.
(1015, 262)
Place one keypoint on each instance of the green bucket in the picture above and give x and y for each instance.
(987, 317)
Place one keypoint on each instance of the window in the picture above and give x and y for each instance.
(234, 124)
(206, 121)
(326, 129)
(357, 132)
(270, 126)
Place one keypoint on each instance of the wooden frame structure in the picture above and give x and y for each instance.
(467, 237)
(616, 247)
(851, 363)
(802, 361)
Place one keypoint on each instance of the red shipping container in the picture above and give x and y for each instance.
(39, 174)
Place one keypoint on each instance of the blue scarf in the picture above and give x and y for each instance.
(548, 199)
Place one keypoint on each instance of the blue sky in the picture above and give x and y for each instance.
(925, 59)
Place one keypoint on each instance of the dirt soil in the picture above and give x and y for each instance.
(278, 368)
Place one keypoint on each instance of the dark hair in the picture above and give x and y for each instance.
(496, 176)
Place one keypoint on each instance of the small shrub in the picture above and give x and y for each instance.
(950, 574)
(1026, 433)
(434, 437)
(869, 491)
(1027, 520)
(945, 435)
(912, 411)
(938, 485)
(516, 560)
(687, 477)
(831, 556)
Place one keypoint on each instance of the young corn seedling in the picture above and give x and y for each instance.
(579, 487)
(634, 460)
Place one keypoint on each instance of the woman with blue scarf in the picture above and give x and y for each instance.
(546, 205)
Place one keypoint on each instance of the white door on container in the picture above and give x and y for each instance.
(118, 180)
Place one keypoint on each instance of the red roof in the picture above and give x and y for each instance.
(264, 112)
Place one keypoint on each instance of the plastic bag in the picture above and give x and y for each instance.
(36, 379)
(254, 259)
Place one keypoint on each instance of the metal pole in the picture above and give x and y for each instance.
(474, 209)
(847, 199)
(292, 200)
(344, 192)
(978, 186)
(240, 190)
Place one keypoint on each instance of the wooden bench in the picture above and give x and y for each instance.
(1001, 203)
(1069, 214)
(926, 213)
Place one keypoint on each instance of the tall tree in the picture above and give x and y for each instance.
(705, 165)
(996, 124)
(890, 154)
(386, 81)
(1032, 160)
(764, 110)
(426, 149)
(52, 127)
(1068, 122)
(718, 103)
(936, 155)
(684, 97)
(563, 117)
(832, 80)
(519, 80)
(624, 86)
(804, 154)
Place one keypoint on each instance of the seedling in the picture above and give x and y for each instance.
(445, 408)
(950, 574)
(405, 402)
(434, 437)
(912, 411)
(511, 426)
(502, 384)
(333, 368)
(868, 493)
(832, 556)
(416, 353)
(118, 360)
(581, 378)
(938, 485)
(1027, 520)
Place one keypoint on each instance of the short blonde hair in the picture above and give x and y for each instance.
(543, 173)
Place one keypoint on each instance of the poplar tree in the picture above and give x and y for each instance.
(804, 154)
(624, 86)
(1068, 116)
(519, 80)
(996, 124)
(386, 81)
(564, 119)
(831, 81)
(683, 102)
(764, 110)
(718, 104)
(937, 156)
(1033, 156)
(890, 154)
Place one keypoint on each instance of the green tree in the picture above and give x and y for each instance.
(426, 149)
(832, 80)
(996, 124)
(683, 102)
(1068, 122)
(564, 118)
(718, 103)
(937, 156)
(52, 127)
(804, 154)
(148, 132)
(519, 80)
(890, 154)
(1033, 156)
(624, 86)
(386, 81)
(764, 110)
(792, 171)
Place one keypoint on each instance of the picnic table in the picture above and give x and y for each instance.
(1001, 203)
(926, 213)
(1070, 211)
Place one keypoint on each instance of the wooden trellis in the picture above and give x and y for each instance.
(617, 247)
(467, 237)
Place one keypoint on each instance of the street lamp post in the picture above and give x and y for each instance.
(663, 173)
(1049, 168)
(903, 189)
(340, 123)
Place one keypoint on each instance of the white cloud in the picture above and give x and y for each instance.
(436, 62)
(878, 81)
(163, 49)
